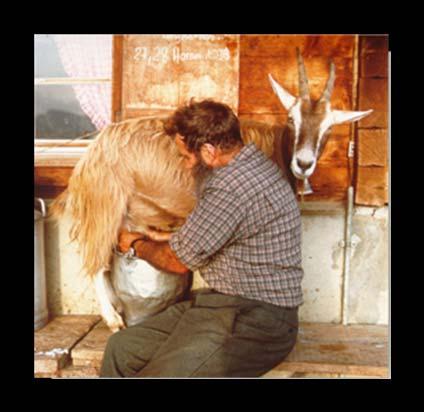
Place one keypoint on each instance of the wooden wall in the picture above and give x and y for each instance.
(51, 181)
(372, 133)
(361, 84)
(154, 74)
(158, 73)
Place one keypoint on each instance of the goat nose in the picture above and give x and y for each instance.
(304, 164)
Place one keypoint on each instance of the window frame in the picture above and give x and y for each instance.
(58, 152)
(54, 159)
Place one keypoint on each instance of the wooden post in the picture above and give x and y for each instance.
(372, 159)
(117, 78)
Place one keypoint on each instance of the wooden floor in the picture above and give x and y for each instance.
(72, 346)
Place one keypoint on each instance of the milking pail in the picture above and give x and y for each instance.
(40, 293)
(144, 290)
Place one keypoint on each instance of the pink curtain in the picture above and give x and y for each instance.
(89, 56)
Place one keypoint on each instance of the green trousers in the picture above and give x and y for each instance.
(210, 335)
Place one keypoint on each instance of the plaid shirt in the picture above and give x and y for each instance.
(244, 235)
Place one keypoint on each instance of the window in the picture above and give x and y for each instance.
(72, 94)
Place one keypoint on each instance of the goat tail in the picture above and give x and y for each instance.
(97, 201)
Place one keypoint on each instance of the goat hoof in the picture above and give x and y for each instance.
(116, 327)
(115, 322)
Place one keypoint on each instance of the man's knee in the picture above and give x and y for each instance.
(115, 357)
(120, 346)
(128, 350)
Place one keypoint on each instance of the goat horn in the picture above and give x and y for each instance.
(328, 91)
(303, 79)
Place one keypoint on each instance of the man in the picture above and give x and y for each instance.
(244, 236)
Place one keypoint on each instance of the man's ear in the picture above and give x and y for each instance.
(208, 152)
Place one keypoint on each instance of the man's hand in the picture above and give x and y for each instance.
(125, 239)
(158, 253)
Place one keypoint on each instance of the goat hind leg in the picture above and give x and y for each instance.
(108, 301)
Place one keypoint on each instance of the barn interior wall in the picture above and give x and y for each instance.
(70, 292)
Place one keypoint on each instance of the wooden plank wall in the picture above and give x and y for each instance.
(372, 133)
(154, 74)
(276, 54)
(51, 181)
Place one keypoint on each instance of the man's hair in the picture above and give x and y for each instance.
(205, 122)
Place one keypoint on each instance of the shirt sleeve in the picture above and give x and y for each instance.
(212, 225)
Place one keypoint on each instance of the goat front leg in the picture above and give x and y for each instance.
(108, 301)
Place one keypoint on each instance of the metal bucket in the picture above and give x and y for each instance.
(40, 293)
(144, 290)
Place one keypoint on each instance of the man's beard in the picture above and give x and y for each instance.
(201, 174)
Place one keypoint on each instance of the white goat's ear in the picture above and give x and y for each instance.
(286, 99)
(342, 116)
